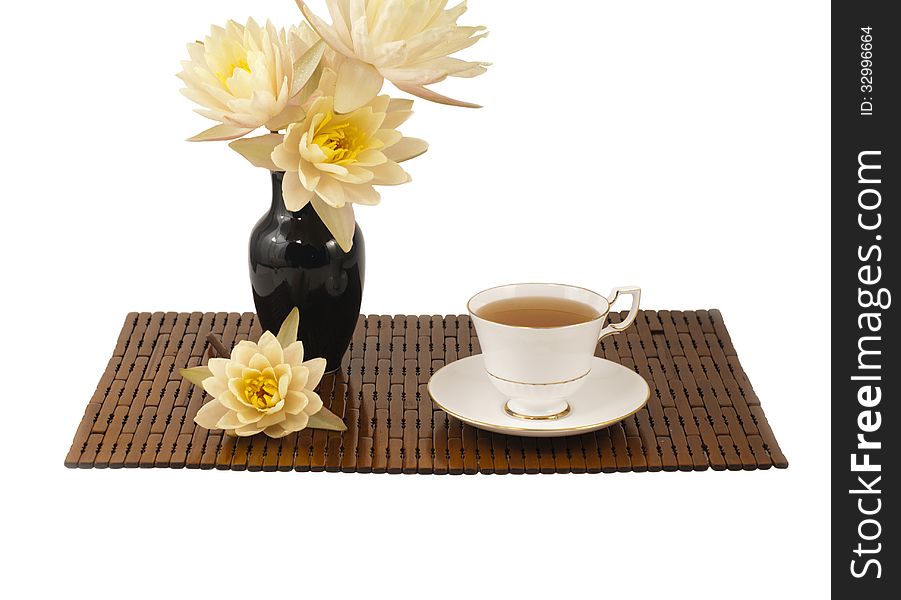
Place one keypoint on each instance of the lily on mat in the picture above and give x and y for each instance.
(265, 386)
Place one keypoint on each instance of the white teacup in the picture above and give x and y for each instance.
(537, 368)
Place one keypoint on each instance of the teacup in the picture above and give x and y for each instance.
(537, 368)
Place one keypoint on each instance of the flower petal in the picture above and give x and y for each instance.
(295, 422)
(277, 408)
(339, 221)
(285, 159)
(209, 414)
(283, 382)
(388, 18)
(406, 149)
(214, 386)
(395, 119)
(295, 194)
(326, 419)
(276, 431)
(295, 402)
(389, 173)
(229, 420)
(305, 66)
(258, 150)
(272, 419)
(259, 362)
(299, 377)
(370, 158)
(302, 37)
(218, 367)
(247, 415)
(326, 32)
(291, 114)
(230, 401)
(282, 369)
(237, 386)
(388, 137)
(248, 373)
(287, 333)
(309, 175)
(340, 18)
(362, 194)
(221, 132)
(247, 430)
(315, 404)
(317, 370)
(455, 67)
(273, 352)
(196, 375)
(243, 352)
(197, 93)
(427, 94)
(331, 192)
(293, 353)
(358, 83)
(400, 105)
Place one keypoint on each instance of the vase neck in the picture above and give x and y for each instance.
(278, 201)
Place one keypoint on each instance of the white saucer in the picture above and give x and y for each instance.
(611, 393)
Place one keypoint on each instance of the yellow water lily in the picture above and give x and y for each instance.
(264, 387)
(335, 159)
(408, 42)
(248, 76)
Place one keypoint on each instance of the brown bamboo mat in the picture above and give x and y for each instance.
(703, 412)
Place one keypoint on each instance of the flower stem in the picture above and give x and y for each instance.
(217, 345)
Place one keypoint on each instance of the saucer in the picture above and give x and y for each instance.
(611, 393)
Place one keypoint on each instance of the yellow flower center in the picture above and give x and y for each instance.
(261, 392)
(226, 73)
(341, 142)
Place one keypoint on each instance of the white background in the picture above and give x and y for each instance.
(681, 146)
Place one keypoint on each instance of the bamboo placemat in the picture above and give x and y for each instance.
(703, 412)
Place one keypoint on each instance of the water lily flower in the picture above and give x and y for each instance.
(335, 159)
(248, 76)
(408, 42)
(264, 387)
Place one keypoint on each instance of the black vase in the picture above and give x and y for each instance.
(296, 261)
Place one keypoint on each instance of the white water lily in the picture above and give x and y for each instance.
(408, 42)
(248, 76)
(333, 160)
(264, 387)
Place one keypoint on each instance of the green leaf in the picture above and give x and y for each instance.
(196, 375)
(305, 66)
(326, 419)
(287, 333)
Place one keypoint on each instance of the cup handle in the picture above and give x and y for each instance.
(612, 328)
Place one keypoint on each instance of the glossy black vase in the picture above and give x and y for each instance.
(295, 261)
